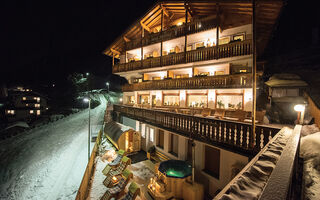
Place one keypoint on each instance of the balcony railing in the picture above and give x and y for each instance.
(202, 82)
(274, 173)
(172, 33)
(222, 51)
(234, 136)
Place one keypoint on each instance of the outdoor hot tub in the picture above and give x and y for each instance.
(175, 169)
(173, 180)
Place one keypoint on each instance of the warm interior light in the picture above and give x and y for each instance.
(299, 108)
(120, 99)
(114, 178)
(179, 23)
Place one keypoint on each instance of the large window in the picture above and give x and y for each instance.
(229, 101)
(144, 99)
(171, 100)
(160, 140)
(200, 101)
(174, 145)
(212, 161)
(143, 130)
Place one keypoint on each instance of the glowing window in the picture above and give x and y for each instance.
(151, 135)
(31, 111)
(38, 112)
(24, 98)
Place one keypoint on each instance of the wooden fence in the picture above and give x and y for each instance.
(83, 190)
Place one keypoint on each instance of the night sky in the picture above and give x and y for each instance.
(44, 41)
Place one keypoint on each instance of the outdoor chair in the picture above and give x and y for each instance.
(133, 192)
(110, 172)
(117, 160)
(118, 189)
(219, 113)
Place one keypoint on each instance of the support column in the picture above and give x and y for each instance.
(142, 34)
(185, 33)
(254, 67)
(217, 27)
(112, 59)
(161, 43)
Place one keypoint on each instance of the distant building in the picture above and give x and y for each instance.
(284, 92)
(24, 104)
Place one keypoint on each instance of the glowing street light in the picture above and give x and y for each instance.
(88, 100)
(107, 84)
(87, 74)
(300, 108)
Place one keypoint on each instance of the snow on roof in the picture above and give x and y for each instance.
(286, 80)
(114, 130)
(18, 124)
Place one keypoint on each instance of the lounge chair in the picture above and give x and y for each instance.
(118, 190)
(110, 172)
(117, 160)
(133, 192)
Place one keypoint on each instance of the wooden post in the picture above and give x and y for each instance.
(112, 59)
(218, 24)
(161, 43)
(254, 78)
(142, 34)
(185, 32)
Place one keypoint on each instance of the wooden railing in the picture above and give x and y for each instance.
(171, 33)
(240, 48)
(85, 183)
(234, 136)
(203, 82)
(279, 182)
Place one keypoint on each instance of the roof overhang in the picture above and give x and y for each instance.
(232, 13)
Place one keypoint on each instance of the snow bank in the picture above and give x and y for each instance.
(309, 129)
(252, 181)
(310, 152)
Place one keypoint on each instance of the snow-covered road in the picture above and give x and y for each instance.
(48, 162)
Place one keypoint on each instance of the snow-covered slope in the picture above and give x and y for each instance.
(48, 162)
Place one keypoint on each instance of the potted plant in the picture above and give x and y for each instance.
(151, 151)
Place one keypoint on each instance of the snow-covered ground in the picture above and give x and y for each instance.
(310, 152)
(48, 162)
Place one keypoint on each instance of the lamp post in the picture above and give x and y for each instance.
(89, 101)
(107, 84)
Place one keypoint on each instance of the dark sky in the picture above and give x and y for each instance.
(46, 40)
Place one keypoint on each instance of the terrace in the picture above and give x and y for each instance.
(233, 135)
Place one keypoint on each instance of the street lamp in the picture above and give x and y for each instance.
(107, 84)
(87, 74)
(88, 100)
(300, 109)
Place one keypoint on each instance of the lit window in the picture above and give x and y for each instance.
(38, 99)
(35, 98)
(27, 104)
(151, 135)
(37, 105)
(31, 111)
(11, 112)
(24, 98)
(143, 130)
(38, 112)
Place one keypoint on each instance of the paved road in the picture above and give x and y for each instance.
(48, 162)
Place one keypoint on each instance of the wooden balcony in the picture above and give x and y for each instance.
(222, 51)
(230, 135)
(171, 33)
(274, 173)
(202, 82)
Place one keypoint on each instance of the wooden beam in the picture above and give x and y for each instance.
(145, 27)
(115, 51)
(126, 39)
(165, 11)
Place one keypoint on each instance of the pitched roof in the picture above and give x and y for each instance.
(232, 13)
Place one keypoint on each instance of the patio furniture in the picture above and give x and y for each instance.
(134, 191)
(117, 160)
(117, 190)
(110, 172)
(219, 113)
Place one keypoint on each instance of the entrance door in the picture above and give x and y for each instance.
(154, 100)
(143, 137)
